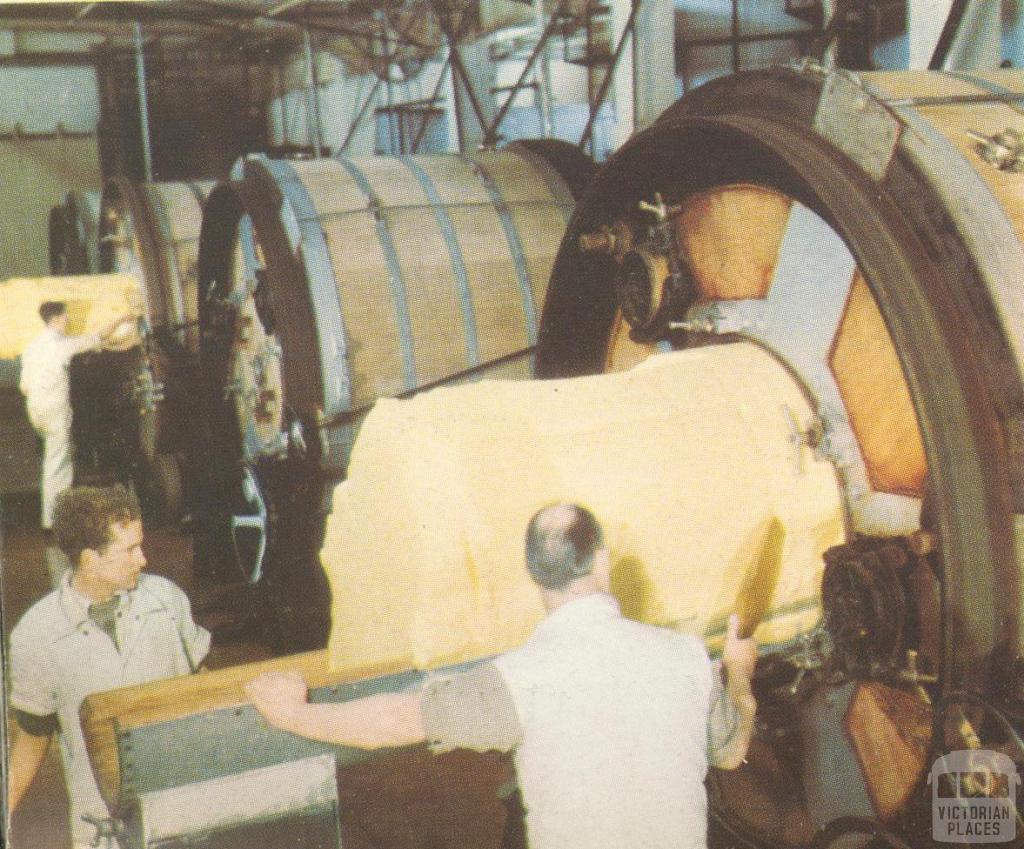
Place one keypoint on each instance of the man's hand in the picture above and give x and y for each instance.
(739, 657)
(124, 318)
(279, 696)
(121, 333)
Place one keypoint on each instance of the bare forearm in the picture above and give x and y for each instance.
(388, 719)
(28, 751)
(107, 330)
(733, 753)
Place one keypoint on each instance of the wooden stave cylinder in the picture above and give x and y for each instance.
(153, 229)
(964, 267)
(295, 454)
(336, 362)
(969, 225)
(716, 112)
(161, 234)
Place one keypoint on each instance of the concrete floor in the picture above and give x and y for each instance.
(19, 460)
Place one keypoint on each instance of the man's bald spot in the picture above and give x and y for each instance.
(561, 540)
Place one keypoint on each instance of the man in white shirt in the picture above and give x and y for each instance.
(612, 722)
(45, 383)
(107, 625)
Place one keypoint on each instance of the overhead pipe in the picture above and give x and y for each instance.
(543, 76)
(389, 89)
(735, 32)
(140, 80)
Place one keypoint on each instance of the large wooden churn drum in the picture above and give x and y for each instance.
(329, 283)
(866, 231)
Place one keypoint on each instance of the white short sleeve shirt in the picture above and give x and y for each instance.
(609, 724)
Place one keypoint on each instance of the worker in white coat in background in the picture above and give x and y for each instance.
(45, 383)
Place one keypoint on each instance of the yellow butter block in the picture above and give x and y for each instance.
(93, 302)
(708, 503)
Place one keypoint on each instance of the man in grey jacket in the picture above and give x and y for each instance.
(107, 625)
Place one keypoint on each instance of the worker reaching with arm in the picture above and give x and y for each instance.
(106, 626)
(45, 383)
(612, 722)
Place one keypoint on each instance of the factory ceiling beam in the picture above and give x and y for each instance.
(69, 15)
(253, 27)
(323, 17)
(48, 59)
(140, 82)
(101, 27)
(199, 19)
(113, 20)
(117, 36)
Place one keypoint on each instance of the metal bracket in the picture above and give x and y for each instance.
(799, 438)
(1003, 151)
(109, 831)
(723, 317)
(810, 654)
(854, 122)
(257, 522)
(146, 391)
